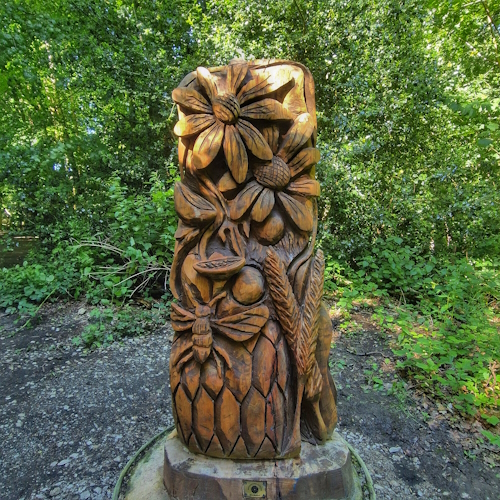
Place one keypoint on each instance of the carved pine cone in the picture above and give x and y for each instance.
(274, 174)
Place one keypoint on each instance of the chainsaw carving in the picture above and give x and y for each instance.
(249, 363)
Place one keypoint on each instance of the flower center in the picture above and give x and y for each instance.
(274, 174)
(226, 108)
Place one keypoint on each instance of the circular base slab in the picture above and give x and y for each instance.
(320, 473)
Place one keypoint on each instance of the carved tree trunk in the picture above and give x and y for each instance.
(249, 361)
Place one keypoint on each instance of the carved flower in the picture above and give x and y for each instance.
(222, 120)
(281, 177)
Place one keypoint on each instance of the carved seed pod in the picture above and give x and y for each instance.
(221, 268)
(274, 174)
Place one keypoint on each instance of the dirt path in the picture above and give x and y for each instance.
(69, 422)
(412, 447)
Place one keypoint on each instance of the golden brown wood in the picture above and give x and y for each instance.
(249, 361)
(203, 418)
(253, 418)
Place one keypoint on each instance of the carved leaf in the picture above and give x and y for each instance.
(235, 75)
(283, 298)
(181, 345)
(297, 136)
(267, 109)
(226, 183)
(236, 155)
(262, 85)
(183, 245)
(263, 205)
(236, 241)
(206, 80)
(303, 160)
(191, 207)
(182, 230)
(254, 140)
(191, 99)
(207, 145)
(304, 186)
(182, 319)
(297, 211)
(244, 200)
(243, 325)
(192, 124)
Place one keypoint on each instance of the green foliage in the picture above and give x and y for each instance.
(133, 256)
(492, 438)
(136, 250)
(111, 324)
(444, 322)
(23, 288)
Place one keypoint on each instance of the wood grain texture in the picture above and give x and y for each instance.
(249, 361)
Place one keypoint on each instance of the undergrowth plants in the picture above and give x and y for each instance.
(442, 317)
(107, 264)
(110, 324)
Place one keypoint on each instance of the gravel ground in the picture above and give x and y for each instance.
(70, 421)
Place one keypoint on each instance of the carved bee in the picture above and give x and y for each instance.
(239, 326)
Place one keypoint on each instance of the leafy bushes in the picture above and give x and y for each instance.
(133, 254)
(443, 325)
(130, 254)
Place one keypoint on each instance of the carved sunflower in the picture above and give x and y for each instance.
(281, 177)
(222, 120)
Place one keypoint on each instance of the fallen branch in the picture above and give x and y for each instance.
(366, 353)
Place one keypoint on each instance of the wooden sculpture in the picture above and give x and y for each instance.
(249, 362)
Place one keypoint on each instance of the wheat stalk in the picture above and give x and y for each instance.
(300, 327)
(283, 298)
(312, 304)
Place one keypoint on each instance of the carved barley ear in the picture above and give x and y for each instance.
(300, 327)
(312, 303)
(284, 300)
(314, 382)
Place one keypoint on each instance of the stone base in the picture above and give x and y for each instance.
(321, 473)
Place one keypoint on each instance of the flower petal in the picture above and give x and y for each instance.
(244, 200)
(304, 159)
(207, 145)
(206, 80)
(192, 124)
(266, 109)
(254, 140)
(271, 134)
(263, 205)
(236, 155)
(235, 75)
(263, 84)
(297, 136)
(297, 211)
(226, 183)
(304, 186)
(191, 99)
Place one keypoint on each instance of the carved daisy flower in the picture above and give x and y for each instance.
(222, 120)
(281, 177)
